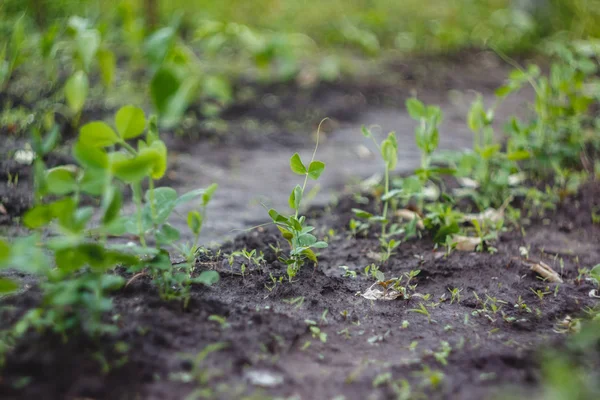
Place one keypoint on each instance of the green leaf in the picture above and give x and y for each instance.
(295, 198)
(207, 278)
(160, 163)
(165, 200)
(595, 273)
(97, 134)
(93, 181)
(518, 155)
(389, 152)
(366, 132)
(107, 64)
(88, 42)
(308, 253)
(276, 217)
(361, 213)
(476, 119)
(297, 166)
(90, 156)
(130, 121)
(320, 245)
(306, 240)
(4, 252)
(38, 216)
(61, 180)
(134, 169)
(391, 194)
(158, 45)
(7, 286)
(415, 108)
(167, 234)
(208, 194)
(112, 202)
(76, 91)
(194, 222)
(315, 169)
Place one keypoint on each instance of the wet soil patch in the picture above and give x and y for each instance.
(472, 347)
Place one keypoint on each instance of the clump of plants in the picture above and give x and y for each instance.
(79, 207)
(294, 228)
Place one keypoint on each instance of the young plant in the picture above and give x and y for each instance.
(75, 262)
(293, 228)
(389, 153)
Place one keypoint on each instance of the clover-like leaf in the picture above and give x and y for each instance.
(296, 165)
(130, 121)
(315, 169)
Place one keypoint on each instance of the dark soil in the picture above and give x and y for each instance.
(268, 335)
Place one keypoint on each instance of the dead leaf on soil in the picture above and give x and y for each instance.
(544, 270)
(376, 292)
(465, 243)
(490, 215)
(3, 210)
(374, 256)
(594, 294)
(409, 215)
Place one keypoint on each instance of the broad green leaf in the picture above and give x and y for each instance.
(415, 108)
(7, 285)
(76, 91)
(315, 169)
(4, 252)
(595, 273)
(361, 213)
(366, 132)
(158, 45)
(90, 156)
(111, 204)
(189, 196)
(320, 245)
(38, 216)
(308, 253)
(504, 91)
(133, 169)
(164, 200)
(306, 240)
(50, 140)
(296, 165)
(207, 278)
(194, 222)
(163, 87)
(295, 198)
(391, 194)
(160, 164)
(476, 119)
(518, 155)
(93, 181)
(107, 64)
(208, 193)
(88, 42)
(389, 152)
(61, 180)
(276, 217)
(167, 234)
(130, 121)
(97, 134)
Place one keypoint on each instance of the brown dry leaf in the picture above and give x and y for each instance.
(3, 210)
(544, 270)
(490, 214)
(374, 256)
(465, 243)
(409, 215)
(375, 292)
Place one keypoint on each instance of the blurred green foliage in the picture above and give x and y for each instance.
(367, 25)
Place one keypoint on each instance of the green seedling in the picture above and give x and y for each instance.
(455, 293)
(424, 311)
(316, 331)
(76, 262)
(11, 53)
(200, 374)
(294, 228)
(389, 153)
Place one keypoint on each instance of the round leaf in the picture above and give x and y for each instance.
(296, 165)
(76, 91)
(207, 278)
(315, 169)
(61, 180)
(130, 122)
(7, 285)
(97, 134)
